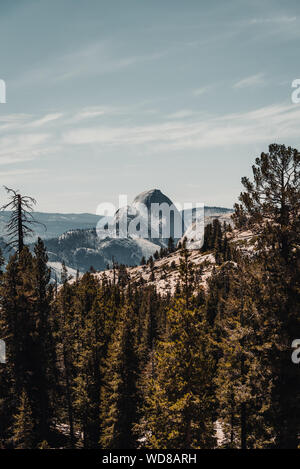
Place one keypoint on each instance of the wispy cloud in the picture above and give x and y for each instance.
(24, 122)
(261, 125)
(274, 20)
(276, 28)
(45, 119)
(13, 121)
(181, 114)
(7, 118)
(12, 173)
(92, 113)
(181, 130)
(22, 147)
(202, 90)
(252, 80)
(93, 59)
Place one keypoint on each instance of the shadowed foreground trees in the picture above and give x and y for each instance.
(26, 328)
(270, 206)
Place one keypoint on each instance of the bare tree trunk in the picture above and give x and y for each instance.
(69, 399)
(20, 225)
(243, 426)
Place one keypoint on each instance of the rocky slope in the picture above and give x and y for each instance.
(165, 271)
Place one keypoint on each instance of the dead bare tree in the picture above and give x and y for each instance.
(21, 218)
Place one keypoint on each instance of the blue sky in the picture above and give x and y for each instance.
(110, 97)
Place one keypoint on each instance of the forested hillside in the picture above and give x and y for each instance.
(110, 362)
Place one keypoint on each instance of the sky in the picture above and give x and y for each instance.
(117, 97)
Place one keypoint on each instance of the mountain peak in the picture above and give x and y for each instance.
(152, 196)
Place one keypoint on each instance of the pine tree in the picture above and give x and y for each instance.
(149, 324)
(156, 255)
(186, 273)
(119, 410)
(23, 425)
(171, 246)
(178, 409)
(64, 306)
(89, 345)
(44, 365)
(244, 377)
(270, 206)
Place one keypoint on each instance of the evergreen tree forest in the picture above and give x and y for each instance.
(115, 365)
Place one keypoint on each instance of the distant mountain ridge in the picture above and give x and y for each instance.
(74, 239)
(81, 249)
(56, 223)
(59, 223)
